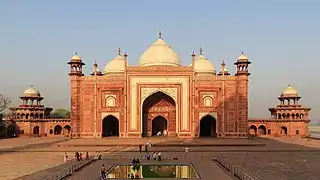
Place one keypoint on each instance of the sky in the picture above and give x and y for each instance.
(281, 39)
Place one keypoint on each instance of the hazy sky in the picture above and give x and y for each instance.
(281, 38)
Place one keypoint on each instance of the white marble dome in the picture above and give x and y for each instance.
(117, 65)
(159, 54)
(31, 92)
(204, 65)
(289, 91)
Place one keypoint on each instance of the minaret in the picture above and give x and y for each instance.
(242, 64)
(75, 75)
(242, 74)
(96, 70)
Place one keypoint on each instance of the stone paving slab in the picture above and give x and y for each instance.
(7, 144)
(18, 164)
(278, 166)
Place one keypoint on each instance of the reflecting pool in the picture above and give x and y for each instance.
(152, 171)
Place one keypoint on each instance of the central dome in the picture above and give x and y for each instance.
(159, 54)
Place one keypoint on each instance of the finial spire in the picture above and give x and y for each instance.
(289, 85)
(242, 52)
(125, 55)
(201, 51)
(95, 61)
(119, 51)
(193, 53)
(76, 53)
(223, 63)
(160, 34)
(32, 85)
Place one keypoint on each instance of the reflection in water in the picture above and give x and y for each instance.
(152, 171)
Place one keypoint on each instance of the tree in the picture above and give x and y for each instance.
(60, 113)
(4, 102)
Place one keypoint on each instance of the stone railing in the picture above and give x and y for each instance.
(233, 169)
(68, 171)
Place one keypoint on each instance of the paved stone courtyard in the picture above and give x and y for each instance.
(277, 158)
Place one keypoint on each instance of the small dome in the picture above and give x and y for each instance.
(242, 57)
(159, 53)
(117, 65)
(97, 70)
(204, 65)
(31, 92)
(289, 91)
(224, 69)
(75, 57)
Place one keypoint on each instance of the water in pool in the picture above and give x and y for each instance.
(152, 171)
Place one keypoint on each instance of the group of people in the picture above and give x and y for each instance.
(78, 156)
(155, 156)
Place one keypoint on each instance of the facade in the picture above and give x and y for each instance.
(287, 118)
(32, 118)
(159, 95)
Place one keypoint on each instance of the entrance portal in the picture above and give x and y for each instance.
(154, 109)
(208, 126)
(159, 124)
(110, 126)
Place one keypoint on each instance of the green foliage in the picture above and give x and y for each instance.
(60, 113)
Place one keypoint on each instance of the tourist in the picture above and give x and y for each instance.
(155, 155)
(132, 176)
(159, 156)
(99, 155)
(134, 161)
(137, 161)
(65, 157)
(146, 148)
(140, 147)
(87, 156)
(165, 132)
(103, 172)
(77, 156)
(80, 157)
(148, 156)
(137, 175)
(186, 149)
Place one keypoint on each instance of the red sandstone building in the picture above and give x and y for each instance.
(159, 94)
(33, 119)
(288, 118)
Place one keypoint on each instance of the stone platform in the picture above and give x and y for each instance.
(158, 142)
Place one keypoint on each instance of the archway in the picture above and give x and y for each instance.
(36, 130)
(66, 129)
(159, 124)
(110, 126)
(57, 130)
(262, 130)
(208, 126)
(253, 130)
(284, 130)
(159, 105)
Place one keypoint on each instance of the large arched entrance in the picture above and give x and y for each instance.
(36, 130)
(57, 130)
(154, 107)
(208, 126)
(110, 126)
(159, 124)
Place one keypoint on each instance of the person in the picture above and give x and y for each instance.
(103, 172)
(132, 176)
(87, 156)
(159, 156)
(80, 156)
(99, 155)
(148, 156)
(140, 147)
(134, 162)
(137, 161)
(65, 157)
(155, 155)
(146, 147)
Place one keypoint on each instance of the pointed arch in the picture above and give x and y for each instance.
(110, 126)
(253, 130)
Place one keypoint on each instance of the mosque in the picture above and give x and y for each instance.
(161, 95)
